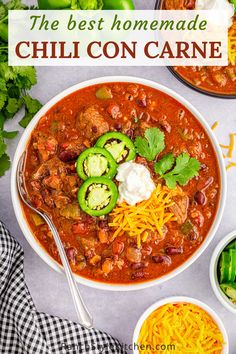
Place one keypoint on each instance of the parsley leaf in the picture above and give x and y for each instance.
(185, 169)
(4, 164)
(165, 164)
(152, 143)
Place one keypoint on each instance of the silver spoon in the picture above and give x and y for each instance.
(84, 317)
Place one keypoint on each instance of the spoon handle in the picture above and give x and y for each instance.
(83, 314)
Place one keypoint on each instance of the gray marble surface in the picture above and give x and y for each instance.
(117, 312)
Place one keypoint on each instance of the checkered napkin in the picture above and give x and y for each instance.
(24, 330)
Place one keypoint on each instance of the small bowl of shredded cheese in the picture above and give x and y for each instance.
(180, 325)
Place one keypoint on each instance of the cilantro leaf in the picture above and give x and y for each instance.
(13, 105)
(26, 119)
(3, 146)
(32, 105)
(9, 135)
(14, 83)
(3, 98)
(25, 76)
(186, 168)
(6, 72)
(3, 86)
(2, 120)
(152, 143)
(165, 164)
(4, 164)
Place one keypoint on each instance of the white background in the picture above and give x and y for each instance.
(117, 313)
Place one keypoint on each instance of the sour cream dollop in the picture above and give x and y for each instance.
(136, 183)
(222, 5)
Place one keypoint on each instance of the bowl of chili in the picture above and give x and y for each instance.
(223, 271)
(178, 314)
(198, 207)
(219, 82)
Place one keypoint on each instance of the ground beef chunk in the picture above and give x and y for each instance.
(92, 123)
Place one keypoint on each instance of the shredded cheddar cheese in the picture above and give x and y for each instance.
(232, 44)
(184, 326)
(215, 125)
(230, 147)
(146, 217)
(230, 165)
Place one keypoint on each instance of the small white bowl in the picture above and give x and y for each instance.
(176, 300)
(225, 301)
(35, 243)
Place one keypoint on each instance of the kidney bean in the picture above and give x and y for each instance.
(103, 224)
(118, 247)
(162, 258)
(142, 102)
(118, 126)
(94, 129)
(193, 234)
(171, 251)
(136, 266)
(68, 155)
(71, 254)
(200, 198)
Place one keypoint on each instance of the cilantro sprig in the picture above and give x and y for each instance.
(14, 84)
(177, 170)
(152, 143)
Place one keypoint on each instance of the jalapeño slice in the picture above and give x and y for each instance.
(119, 145)
(97, 196)
(224, 267)
(96, 162)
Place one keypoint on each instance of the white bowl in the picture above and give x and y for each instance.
(34, 242)
(176, 300)
(225, 301)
